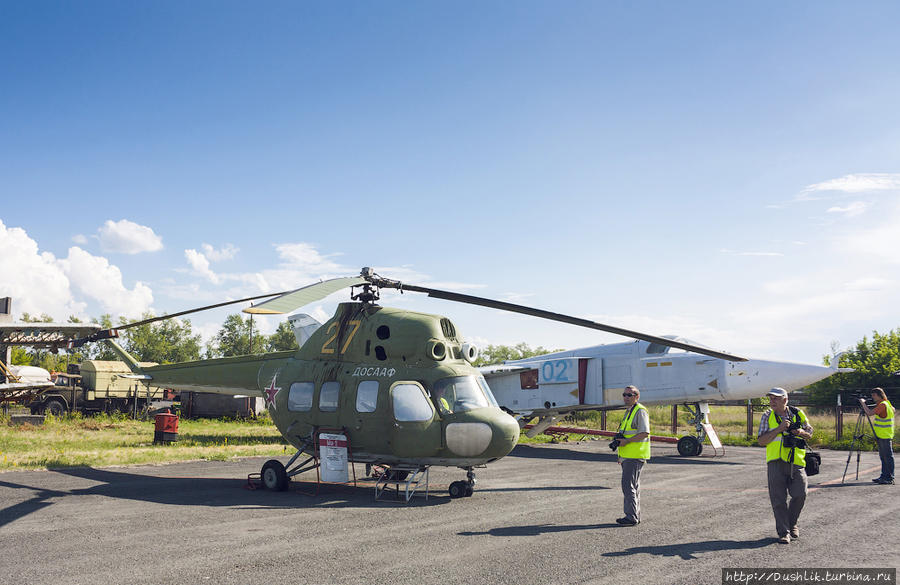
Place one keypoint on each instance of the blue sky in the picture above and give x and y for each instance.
(728, 172)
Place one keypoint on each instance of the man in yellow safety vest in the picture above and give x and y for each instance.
(634, 451)
(783, 431)
(884, 433)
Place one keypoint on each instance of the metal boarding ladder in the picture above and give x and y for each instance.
(417, 477)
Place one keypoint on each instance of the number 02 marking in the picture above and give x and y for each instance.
(555, 371)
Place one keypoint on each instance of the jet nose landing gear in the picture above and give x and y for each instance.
(689, 446)
(463, 489)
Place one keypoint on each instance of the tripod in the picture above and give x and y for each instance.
(858, 435)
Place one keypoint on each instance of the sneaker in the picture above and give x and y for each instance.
(885, 482)
(627, 522)
(878, 480)
(786, 539)
(795, 532)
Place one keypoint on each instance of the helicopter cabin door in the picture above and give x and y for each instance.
(416, 430)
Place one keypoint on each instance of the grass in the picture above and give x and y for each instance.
(105, 440)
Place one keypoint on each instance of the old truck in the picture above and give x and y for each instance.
(96, 386)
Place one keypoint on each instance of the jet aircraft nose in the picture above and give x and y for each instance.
(753, 378)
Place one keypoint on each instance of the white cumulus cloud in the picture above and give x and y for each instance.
(41, 283)
(94, 277)
(127, 237)
(305, 258)
(226, 252)
(200, 264)
(33, 279)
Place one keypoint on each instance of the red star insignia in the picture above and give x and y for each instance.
(271, 392)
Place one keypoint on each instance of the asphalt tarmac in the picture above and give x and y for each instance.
(543, 514)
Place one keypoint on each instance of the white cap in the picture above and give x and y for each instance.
(780, 392)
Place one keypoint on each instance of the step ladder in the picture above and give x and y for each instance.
(415, 482)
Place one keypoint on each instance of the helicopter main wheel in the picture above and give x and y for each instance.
(274, 476)
(460, 489)
(689, 446)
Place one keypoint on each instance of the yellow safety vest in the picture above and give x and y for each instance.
(638, 449)
(775, 450)
(884, 427)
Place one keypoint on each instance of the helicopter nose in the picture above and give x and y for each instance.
(491, 438)
(753, 378)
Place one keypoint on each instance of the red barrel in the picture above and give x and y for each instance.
(166, 428)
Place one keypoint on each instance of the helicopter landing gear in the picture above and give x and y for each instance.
(274, 476)
(463, 489)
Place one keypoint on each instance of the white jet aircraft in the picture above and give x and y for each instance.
(592, 378)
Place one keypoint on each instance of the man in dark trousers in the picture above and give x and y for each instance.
(634, 451)
(783, 431)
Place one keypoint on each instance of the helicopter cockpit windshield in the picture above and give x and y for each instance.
(461, 394)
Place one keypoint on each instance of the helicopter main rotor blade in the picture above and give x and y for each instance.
(113, 331)
(295, 299)
(472, 300)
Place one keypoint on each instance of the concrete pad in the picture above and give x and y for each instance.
(544, 514)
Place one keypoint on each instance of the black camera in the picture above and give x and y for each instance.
(792, 441)
(617, 440)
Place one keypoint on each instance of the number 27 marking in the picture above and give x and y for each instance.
(327, 346)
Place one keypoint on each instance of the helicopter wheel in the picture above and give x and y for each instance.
(458, 489)
(274, 476)
(689, 446)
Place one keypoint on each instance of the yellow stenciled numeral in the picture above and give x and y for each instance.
(352, 333)
(330, 340)
(337, 331)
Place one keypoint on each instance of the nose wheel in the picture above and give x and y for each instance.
(463, 489)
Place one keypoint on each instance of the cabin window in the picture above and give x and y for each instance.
(459, 394)
(410, 403)
(300, 398)
(367, 396)
(328, 396)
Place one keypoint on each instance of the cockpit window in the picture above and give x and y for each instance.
(660, 349)
(460, 394)
(657, 348)
(487, 390)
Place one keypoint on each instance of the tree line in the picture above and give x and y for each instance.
(876, 361)
(164, 342)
